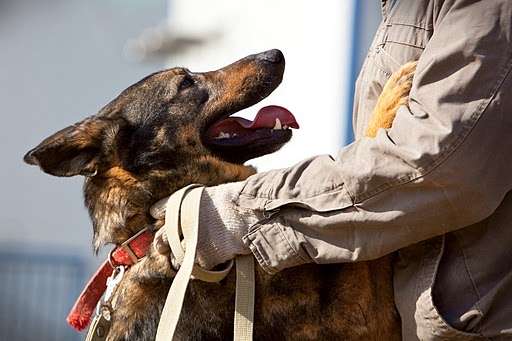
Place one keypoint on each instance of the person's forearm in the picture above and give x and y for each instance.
(445, 163)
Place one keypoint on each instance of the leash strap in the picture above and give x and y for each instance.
(182, 218)
(176, 218)
(244, 301)
(99, 328)
(175, 297)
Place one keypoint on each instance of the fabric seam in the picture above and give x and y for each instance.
(418, 26)
(335, 189)
(473, 283)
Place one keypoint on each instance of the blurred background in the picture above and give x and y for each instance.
(62, 60)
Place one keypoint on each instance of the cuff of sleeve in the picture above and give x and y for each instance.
(273, 250)
(222, 226)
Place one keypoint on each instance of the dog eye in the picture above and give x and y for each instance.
(186, 82)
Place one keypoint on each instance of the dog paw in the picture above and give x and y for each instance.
(395, 94)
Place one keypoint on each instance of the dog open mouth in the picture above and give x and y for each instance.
(237, 139)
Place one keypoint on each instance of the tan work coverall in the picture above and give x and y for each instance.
(435, 187)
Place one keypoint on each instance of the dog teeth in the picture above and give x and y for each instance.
(222, 135)
(277, 126)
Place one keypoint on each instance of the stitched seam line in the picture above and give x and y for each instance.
(431, 271)
(443, 156)
(257, 254)
(256, 251)
(421, 27)
(405, 44)
(335, 189)
(473, 282)
(387, 54)
(290, 245)
(387, 74)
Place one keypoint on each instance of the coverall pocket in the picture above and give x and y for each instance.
(430, 324)
(401, 43)
(432, 327)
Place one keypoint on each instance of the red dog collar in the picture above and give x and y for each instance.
(127, 254)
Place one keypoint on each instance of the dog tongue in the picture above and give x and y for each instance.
(269, 117)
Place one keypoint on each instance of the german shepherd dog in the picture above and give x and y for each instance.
(154, 139)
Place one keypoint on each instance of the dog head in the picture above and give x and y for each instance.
(170, 129)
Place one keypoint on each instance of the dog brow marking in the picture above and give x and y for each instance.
(121, 175)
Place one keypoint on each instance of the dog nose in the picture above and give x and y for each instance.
(274, 56)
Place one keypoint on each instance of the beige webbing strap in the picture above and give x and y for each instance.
(182, 215)
(244, 301)
(174, 302)
(98, 331)
(174, 228)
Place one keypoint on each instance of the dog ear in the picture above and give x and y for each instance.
(74, 150)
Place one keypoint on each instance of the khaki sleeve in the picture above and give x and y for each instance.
(445, 164)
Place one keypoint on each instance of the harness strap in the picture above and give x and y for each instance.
(182, 218)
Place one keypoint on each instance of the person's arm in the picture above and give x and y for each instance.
(446, 163)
